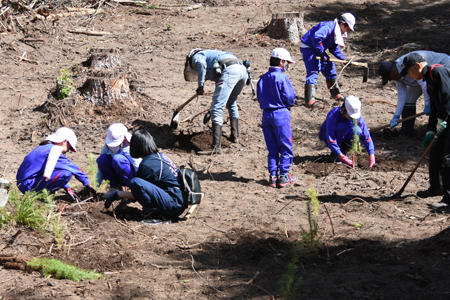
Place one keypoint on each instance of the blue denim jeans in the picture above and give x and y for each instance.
(228, 87)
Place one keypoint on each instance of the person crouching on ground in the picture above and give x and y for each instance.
(325, 35)
(46, 167)
(338, 131)
(276, 95)
(155, 185)
(115, 163)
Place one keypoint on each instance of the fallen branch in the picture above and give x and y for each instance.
(245, 283)
(382, 101)
(356, 199)
(192, 264)
(437, 220)
(190, 211)
(29, 60)
(80, 243)
(188, 246)
(192, 7)
(89, 32)
(138, 232)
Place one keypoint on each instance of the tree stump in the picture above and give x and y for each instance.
(105, 83)
(288, 25)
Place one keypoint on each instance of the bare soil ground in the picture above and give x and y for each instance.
(375, 247)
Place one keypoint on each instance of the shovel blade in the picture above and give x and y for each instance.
(174, 121)
(366, 74)
(207, 117)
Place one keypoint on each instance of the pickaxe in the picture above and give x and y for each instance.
(365, 65)
(176, 113)
(399, 121)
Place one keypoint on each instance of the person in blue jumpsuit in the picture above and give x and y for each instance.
(155, 185)
(408, 89)
(338, 131)
(276, 95)
(46, 167)
(115, 163)
(230, 76)
(324, 36)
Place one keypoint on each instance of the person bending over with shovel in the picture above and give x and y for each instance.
(438, 85)
(230, 76)
(276, 95)
(338, 131)
(408, 89)
(325, 35)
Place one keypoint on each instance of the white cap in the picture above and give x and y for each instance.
(353, 106)
(349, 19)
(115, 135)
(64, 134)
(283, 54)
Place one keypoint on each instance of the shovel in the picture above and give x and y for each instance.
(399, 121)
(399, 193)
(176, 113)
(361, 64)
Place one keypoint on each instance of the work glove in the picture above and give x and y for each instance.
(440, 126)
(371, 160)
(111, 198)
(344, 159)
(200, 91)
(324, 57)
(394, 121)
(91, 190)
(427, 110)
(428, 138)
(72, 195)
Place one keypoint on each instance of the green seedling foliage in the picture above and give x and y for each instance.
(92, 174)
(170, 27)
(35, 210)
(64, 84)
(61, 270)
(288, 284)
(356, 146)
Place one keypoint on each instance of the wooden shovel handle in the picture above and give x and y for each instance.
(399, 121)
(185, 103)
(365, 65)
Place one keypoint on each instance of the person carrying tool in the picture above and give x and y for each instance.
(230, 76)
(408, 89)
(339, 128)
(155, 185)
(276, 95)
(46, 167)
(325, 35)
(437, 78)
(115, 163)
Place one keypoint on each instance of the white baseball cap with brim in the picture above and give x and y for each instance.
(349, 19)
(353, 107)
(283, 54)
(64, 134)
(115, 135)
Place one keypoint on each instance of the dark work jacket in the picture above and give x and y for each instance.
(165, 178)
(438, 87)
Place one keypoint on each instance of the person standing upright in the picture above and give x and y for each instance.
(230, 76)
(276, 95)
(328, 35)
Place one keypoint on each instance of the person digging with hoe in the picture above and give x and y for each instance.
(325, 35)
(408, 89)
(338, 131)
(230, 76)
(438, 86)
(276, 95)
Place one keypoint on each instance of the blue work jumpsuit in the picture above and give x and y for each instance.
(275, 95)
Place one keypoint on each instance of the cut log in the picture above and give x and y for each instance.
(105, 91)
(288, 25)
(101, 59)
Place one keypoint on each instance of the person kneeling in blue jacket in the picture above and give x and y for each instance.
(46, 167)
(155, 185)
(338, 131)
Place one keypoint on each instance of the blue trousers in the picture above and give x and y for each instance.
(344, 135)
(276, 125)
(117, 169)
(227, 90)
(58, 180)
(154, 199)
(314, 66)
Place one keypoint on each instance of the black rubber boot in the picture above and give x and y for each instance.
(234, 137)
(215, 147)
(408, 126)
(310, 97)
(333, 86)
